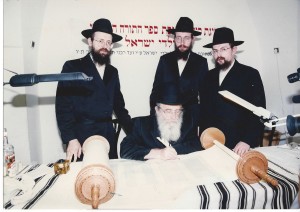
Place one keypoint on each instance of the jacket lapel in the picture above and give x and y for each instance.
(90, 69)
(231, 76)
(107, 75)
(174, 68)
(188, 66)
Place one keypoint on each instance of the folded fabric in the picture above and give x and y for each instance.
(23, 188)
(19, 192)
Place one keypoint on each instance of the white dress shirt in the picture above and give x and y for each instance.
(224, 72)
(100, 68)
(181, 64)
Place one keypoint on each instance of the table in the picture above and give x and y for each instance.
(193, 181)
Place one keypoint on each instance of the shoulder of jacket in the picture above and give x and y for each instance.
(167, 55)
(198, 56)
(74, 60)
(212, 71)
(247, 69)
(142, 122)
(142, 118)
(111, 67)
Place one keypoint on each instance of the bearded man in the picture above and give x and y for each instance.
(165, 134)
(183, 67)
(242, 129)
(85, 108)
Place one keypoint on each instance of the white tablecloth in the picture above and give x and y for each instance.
(197, 180)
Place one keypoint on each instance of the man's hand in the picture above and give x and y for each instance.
(241, 148)
(74, 148)
(168, 153)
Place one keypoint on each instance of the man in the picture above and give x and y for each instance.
(241, 127)
(166, 134)
(84, 108)
(182, 66)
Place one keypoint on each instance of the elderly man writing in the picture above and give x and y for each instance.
(164, 135)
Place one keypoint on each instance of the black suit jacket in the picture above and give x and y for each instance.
(85, 108)
(144, 138)
(190, 81)
(236, 122)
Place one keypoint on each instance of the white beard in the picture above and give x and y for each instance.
(169, 131)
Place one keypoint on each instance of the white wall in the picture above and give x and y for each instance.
(282, 31)
(14, 100)
(55, 26)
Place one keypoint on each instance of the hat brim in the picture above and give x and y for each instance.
(172, 31)
(174, 100)
(235, 43)
(88, 33)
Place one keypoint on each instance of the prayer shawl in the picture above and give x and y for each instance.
(238, 195)
(42, 185)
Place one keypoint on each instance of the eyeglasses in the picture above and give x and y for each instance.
(222, 50)
(184, 39)
(102, 42)
(169, 112)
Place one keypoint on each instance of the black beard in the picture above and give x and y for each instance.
(100, 58)
(183, 55)
(223, 66)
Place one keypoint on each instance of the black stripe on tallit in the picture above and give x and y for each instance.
(242, 203)
(204, 197)
(287, 188)
(32, 201)
(266, 195)
(254, 197)
(33, 168)
(8, 204)
(275, 202)
(288, 171)
(277, 191)
(224, 195)
(42, 192)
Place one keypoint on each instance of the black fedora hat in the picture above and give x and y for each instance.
(169, 94)
(184, 24)
(223, 35)
(102, 25)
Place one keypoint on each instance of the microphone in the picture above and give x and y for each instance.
(296, 99)
(293, 124)
(31, 79)
(294, 77)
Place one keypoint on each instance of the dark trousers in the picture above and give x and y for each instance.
(89, 128)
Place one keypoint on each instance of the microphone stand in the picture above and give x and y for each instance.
(292, 124)
(20, 80)
(272, 134)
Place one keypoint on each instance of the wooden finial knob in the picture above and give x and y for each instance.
(95, 184)
(252, 167)
(209, 135)
(263, 175)
(95, 196)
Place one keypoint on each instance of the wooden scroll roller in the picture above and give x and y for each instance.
(95, 183)
(250, 168)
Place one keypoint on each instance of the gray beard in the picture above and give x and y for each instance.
(169, 131)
